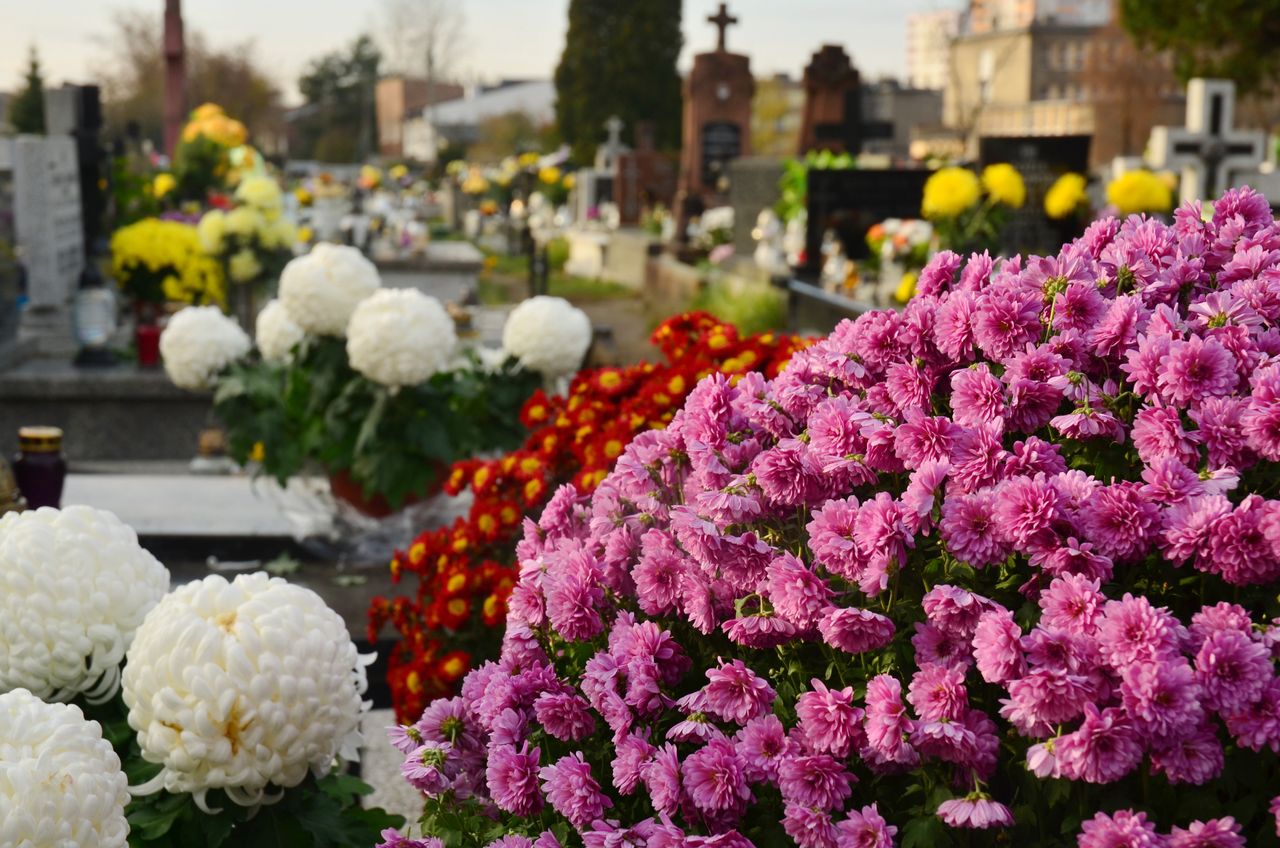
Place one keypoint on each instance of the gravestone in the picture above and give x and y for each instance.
(850, 201)
(1040, 160)
(9, 282)
(753, 186)
(1209, 151)
(717, 124)
(50, 237)
(645, 178)
(832, 118)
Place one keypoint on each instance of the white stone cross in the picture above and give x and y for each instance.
(614, 126)
(1209, 148)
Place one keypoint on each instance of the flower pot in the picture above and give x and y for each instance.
(347, 490)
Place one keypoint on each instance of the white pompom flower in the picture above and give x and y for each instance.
(199, 342)
(277, 333)
(400, 337)
(322, 288)
(74, 587)
(244, 687)
(60, 781)
(548, 335)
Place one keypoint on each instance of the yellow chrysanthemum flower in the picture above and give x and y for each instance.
(1139, 191)
(949, 192)
(163, 184)
(205, 111)
(528, 160)
(907, 287)
(1065, 196)
(549, 175)
(260, 192)
(244, 221)
(244, 266)
(569, 181)
(211, 231)
(398, 172)
(1004, 184)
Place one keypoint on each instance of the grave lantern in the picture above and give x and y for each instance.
(93, 316)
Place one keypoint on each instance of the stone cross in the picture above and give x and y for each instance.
(614, 126)
(722, 21)
(1209, 148)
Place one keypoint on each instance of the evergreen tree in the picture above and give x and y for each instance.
(619, 59)
(26, 112)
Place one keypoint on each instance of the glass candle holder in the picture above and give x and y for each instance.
(39, 466)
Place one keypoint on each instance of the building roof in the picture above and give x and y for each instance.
(536, 98)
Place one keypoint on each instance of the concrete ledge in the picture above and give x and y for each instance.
(118, 413)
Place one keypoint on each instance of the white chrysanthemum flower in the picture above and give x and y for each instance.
(60, 781)
(243, 686)
(277, 333)
(548, 335)
(321, 289)
(400, 337)
(198, 342)
(74, 586)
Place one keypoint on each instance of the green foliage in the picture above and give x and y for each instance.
(317, 411)
(793, 185)
(619, 59)
(26, 112)
(1231, 39)
(130, 184)
(339, 113)
(752, 309)
(199, 166)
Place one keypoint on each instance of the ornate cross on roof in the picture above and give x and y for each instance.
(722, 20)
(1209, 149)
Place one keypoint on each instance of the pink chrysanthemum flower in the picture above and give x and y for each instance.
(1196, 369)
(1072, 603)
(809, 827)
(855, 630)
(938, 693)
(736, 693)
(887, 722)
(761, 745)
(661, 776)
(865, 828)
(796, 592)
(1215, 833)
(513, 779)
(977, 812)
(1132, 630)
(1122, 829)
(1162, 698)
(714, 779)
(1194, 758)
(830, 721)
(977, 396)
(816, 780)
(1232, 670)
(1026, 507)
(572, 791)
(970, 530)
(1102, 750)
(996, 647)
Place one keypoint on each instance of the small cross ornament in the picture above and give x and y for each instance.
(1209, 149)
(722, 20)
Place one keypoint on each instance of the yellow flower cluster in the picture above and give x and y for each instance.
(475, 183)
(1139, 191)
(256, 220)
(398, 172)
(549, 175)
(170, 248)
(1065, 196)
(211, 122)
(1004, 185)
(950, 191)
(163, 184)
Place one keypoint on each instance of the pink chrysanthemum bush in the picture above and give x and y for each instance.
(998, 569)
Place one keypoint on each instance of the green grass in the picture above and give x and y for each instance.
(507, 275)
(754, 309)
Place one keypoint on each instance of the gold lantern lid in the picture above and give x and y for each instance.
(39, 439)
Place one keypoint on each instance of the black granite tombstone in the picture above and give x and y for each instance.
(1040, 161)
(850, 201)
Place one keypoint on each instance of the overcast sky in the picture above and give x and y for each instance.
(502, 38)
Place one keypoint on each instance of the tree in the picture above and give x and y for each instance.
(773, 130)
(619, 59)
(422, 37)
(26, 113)
(336, 123)
(132, 75)
(1231, 39)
